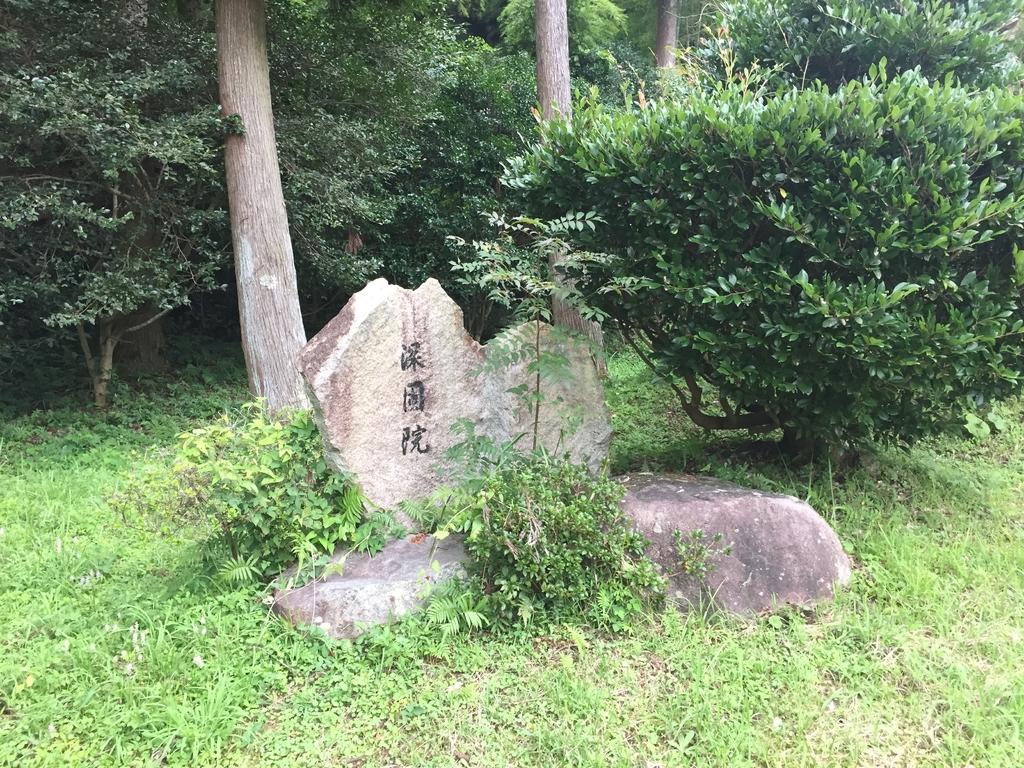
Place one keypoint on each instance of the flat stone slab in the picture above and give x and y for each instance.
(391, 375)
(373, 590)
(780, 549)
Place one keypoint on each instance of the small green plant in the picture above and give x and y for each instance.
(456, 610)
(269, 489)
(162, 498)
(259, 483)
(548, 541)
(694, 552)
(239, 570)
(516, 271)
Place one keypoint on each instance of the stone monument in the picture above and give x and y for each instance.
(395, 370)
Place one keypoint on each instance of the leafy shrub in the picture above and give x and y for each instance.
(547, 540)
(270, 489)
(837, 42)
(262, 485)
(845, 264)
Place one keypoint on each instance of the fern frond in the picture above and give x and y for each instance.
(239, 570)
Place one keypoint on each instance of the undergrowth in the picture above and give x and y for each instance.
(121, 645)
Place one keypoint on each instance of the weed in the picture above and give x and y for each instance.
(695, 552)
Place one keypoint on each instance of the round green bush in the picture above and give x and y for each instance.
(835, 42)
(842, 264)
(267, 489)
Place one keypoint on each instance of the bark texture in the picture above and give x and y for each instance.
(101, 362)
(268, 300)
(567, 316)
(554, 95)
(552, 33)
(667, 37)
(143, 350)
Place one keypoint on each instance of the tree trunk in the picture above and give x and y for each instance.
(268, 299)
(105, 370)
(552, 33)
(144, 349)
(567, 316)
(555, 98)
(101, 365)
(667, 33)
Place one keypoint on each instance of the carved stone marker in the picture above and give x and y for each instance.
(395, 370)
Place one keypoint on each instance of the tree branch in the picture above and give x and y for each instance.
(144, 323)
(90, 361)
(692, 405)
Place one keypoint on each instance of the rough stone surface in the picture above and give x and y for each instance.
(781, 549)
(372, 590)
(395, 370)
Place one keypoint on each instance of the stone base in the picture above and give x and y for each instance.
(780, 549)
(780, 552)
(373, 590)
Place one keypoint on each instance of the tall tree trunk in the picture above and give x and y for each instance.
(552, 33)
(268, 299)
(108, 343)
(667, 38)
(555, 98)
(101, 363)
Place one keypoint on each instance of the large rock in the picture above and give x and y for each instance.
(780, 550)
(363, 591)
(395, 370)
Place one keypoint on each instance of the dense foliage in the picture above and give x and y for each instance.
(259, 484)
(111, 191)
(481, 116)
(835, 42)
(548, 541)
(354, 93)
(391, 130)
(843, 264)
(592, 23)
(269, 488)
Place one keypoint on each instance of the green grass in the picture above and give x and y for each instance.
(120, 647)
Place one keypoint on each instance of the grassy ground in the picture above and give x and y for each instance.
(119, 647)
